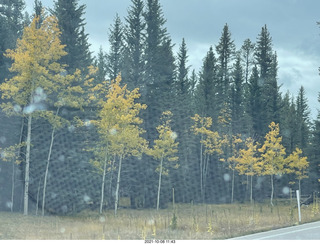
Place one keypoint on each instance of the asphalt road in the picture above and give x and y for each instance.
(310, 231)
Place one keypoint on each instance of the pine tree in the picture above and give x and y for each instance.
(134, 37)
(263, 53)
(71, 24)
(101, 64)
(288, 122)
(115, 55)
(247, 52)
(237, 99)
(271, 95)
(303, 120)
(255, 109)
(159, 69)
(206, 103)
(225, 53)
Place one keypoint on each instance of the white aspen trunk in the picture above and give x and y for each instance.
(103, 180)
(232, 186)
(272, 190)
(117, 188)
(12, 186)
(251, 189)
(205, 174)
(110, 182)
(159, 185)
(47, 167)
(26, 178)
(38, 193)
(201, 171)
(13, 166)
(46, 173)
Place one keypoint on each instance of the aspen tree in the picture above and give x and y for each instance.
(297, 165)
(248, 162)
(36, 68)
(232, 161)
(118, 126)
(272, 155)
(210, 143)
(164, 149)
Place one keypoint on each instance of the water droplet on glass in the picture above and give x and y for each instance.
(61, 158)
(226, 177)
(3, 139)
(113, 131)
(174, 135)
(86, 198)
(286, 190)
(9, 205)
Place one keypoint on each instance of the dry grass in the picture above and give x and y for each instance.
(192, 222)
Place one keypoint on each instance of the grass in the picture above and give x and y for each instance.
(184, 222)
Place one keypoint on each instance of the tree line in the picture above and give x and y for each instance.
(212, 135)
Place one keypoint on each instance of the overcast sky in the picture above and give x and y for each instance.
(291, 23)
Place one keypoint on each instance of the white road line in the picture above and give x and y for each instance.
(280, 232)
(290, 232)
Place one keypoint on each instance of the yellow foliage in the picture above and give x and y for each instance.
(296, 164)
(248, 162)
(272, 152)
(35, 63)
(165, 147)
(211, 140)
(118, 123)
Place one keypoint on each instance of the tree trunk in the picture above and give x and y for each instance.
(26, 177)
(110, 182)
(201, 172)
(159, 185)
(46, 173)
(251, 199)
(12, 186)
(272, 190)
(232, 186)
(103, 180)
(47, 167)
(117, 188)
(13, 165)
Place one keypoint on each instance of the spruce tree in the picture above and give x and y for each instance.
(11, 26)
(100, 63)
(247, 51)
(303, 120)
(255, 109)
(115, 56)
(71, 24)
(225, 53)
(267, 64)
(134, 37)
(263, 52)
(206, 89)
(237, 99)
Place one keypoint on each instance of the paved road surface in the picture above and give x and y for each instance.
(310, 231)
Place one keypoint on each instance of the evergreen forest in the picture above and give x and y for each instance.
(137, 123)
